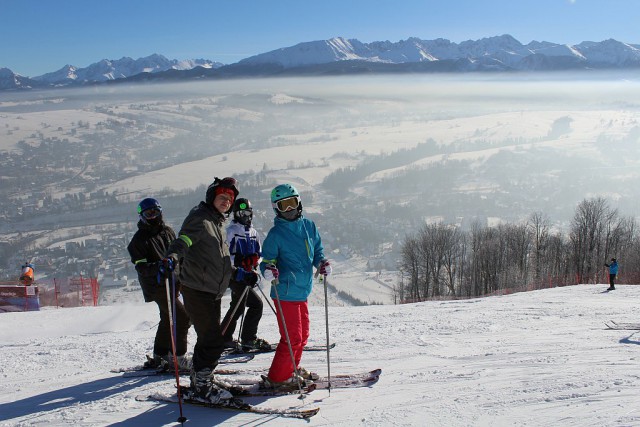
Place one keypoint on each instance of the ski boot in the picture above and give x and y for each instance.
(292, 384)
(204, 389)
(308, 376)
(256, 344)
(153, 362)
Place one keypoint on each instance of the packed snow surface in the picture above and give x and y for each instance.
(540, 358)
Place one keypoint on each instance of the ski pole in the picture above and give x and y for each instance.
(244, 306)
(246, 289)
(326, 317)
(286, 334)
(267, 299)
(181, 418)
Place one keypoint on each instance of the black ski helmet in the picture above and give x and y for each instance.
(242, 211)
(150, 211)
(227, 182)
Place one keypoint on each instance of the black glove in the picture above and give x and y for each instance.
(251, 279)
(167, 265)
(247, 278)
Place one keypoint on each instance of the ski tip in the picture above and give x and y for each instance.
(312, 412)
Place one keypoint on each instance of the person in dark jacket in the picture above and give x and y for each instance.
(202, 254)
(147, 248)
(244, 245)
(613, 272)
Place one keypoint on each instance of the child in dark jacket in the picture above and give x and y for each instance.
(147, 248)
(244, 245)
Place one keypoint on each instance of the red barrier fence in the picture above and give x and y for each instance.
(69, 292)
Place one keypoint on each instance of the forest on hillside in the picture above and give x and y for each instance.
(442, 260)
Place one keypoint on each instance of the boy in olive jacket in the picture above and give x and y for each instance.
(202, 254)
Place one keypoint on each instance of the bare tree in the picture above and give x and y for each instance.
(409, 265)
(539, 225)
(586, 235)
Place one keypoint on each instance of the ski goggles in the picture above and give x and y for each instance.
(244, 213)
(288, 204)
(152, 213)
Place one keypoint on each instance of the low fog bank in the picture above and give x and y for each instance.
(374, 157)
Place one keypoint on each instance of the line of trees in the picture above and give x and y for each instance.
(442, 260)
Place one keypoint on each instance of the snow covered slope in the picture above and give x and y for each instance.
(538, 359)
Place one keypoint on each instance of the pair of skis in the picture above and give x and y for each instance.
(233, 356)
(252, 387)
(272, 348)
(633, 326)
(249, 388)
(142, 371)
(235, 404)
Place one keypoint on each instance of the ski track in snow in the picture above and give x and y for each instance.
(530, 359)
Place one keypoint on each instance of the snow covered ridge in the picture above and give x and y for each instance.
(502, 53)
(344, 56)
(104, 70)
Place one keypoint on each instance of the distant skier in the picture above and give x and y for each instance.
(613, 271)
(290, 251)
(147, 248)
(27, 274)
(244, 244)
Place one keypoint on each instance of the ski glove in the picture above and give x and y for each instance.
(166, 267)
(250, 279)
(271, 273)
(324, 268)
(247, 278)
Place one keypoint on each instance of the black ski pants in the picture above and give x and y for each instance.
(162, 342)
(612, 279)
(252, 317)
(204, 310)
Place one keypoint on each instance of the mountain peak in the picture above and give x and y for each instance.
(495, 53)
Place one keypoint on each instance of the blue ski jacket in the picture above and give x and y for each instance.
(294, 247)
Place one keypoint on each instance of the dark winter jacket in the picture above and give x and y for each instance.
(148, 246)
(202, 251)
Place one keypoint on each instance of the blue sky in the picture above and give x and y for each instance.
(40, 36)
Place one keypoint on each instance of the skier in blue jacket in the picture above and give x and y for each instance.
(613, 271)
(290, 251)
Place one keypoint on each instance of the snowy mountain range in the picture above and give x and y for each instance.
(348, 56)
(102, 71)
(122, 68)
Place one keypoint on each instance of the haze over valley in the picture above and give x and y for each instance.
(374, 158)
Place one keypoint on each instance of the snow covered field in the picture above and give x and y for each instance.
(541, 358)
